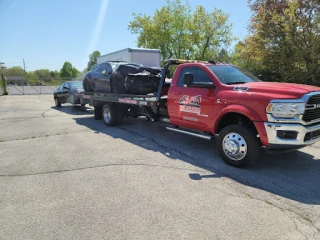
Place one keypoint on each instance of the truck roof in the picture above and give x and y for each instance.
(182, 61)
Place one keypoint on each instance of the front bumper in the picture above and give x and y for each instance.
(291, 135)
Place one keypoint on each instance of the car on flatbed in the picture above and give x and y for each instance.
(208, 99)
(111, 76)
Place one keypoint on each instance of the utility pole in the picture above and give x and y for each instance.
(25, 74)
(24, 68)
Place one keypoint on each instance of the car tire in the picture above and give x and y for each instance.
(238, 145)
(117, 85)
(110, 115)
(87, 86)
(57, 103)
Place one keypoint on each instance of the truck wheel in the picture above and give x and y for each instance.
(97, 112)
(56, 101)
(238, 145)
(109, 115)
(122, 111)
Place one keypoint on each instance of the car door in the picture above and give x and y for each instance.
(193, 107)
(57, 92)
(61, 93)
(101, 77)
(65, 92)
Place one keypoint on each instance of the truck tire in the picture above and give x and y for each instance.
(110, 115)
(98, 112)
(121, 113)
(238, 145)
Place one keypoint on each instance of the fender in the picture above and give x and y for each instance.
(249, 113)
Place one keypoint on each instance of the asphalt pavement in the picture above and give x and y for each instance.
(64, 175)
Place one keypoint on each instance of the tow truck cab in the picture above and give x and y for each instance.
(243, 112)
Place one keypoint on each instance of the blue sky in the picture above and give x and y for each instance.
(48, 33)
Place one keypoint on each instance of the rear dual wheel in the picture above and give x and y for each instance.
(112, 114)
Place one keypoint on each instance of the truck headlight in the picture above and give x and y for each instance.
(285, 110)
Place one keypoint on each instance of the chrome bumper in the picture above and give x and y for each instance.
(273, 129)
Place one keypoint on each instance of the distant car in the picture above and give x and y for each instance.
(110, 76)
(68, 92)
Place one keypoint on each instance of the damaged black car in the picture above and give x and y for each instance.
(122, 78)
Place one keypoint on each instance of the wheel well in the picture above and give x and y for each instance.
(235, 118)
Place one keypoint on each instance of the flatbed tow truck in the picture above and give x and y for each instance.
(208, 99)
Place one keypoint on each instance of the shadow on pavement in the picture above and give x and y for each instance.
(295, 175)
(74, 110)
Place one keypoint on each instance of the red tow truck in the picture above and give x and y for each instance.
(208, 99)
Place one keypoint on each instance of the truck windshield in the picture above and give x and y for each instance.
(233, 75)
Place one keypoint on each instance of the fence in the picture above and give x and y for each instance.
(31, 90)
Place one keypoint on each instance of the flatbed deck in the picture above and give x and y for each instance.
(142, 100)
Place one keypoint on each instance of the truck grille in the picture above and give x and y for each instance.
(312, 135)
(312, 114)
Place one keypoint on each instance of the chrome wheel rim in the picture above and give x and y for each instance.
(234, 146)
(106, 115)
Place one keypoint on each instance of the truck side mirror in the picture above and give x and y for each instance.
(187, 79)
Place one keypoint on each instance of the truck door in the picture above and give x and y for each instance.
(192, 107)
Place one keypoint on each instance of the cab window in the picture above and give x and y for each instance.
(199, 76)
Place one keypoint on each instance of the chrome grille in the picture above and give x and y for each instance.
(312, 111)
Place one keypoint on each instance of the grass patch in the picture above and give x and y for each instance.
(24, 138)
(33, 137)
(307, 218)
(270, 203)
(1, 140)
(248, 195)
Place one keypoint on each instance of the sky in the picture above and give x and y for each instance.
(46, 33)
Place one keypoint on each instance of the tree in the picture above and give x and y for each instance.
(93, 60)
(54, 75)
(67, 71)
(14, 71)
(32, 78)
(285, 39)
(180, 32)
(43, 74)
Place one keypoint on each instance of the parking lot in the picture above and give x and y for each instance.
(64, 175)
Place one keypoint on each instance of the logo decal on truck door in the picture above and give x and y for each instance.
(191, 104)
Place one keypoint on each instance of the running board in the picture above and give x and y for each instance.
(190, 133)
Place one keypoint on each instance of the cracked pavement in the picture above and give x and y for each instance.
(64, 175)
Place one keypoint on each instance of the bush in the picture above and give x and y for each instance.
(4, 84)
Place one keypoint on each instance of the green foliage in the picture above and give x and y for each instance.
(32, 78)
(67, 71)
(180, 32)
(284, 41)
(4, 84)
(14, 71)
(93, 60)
